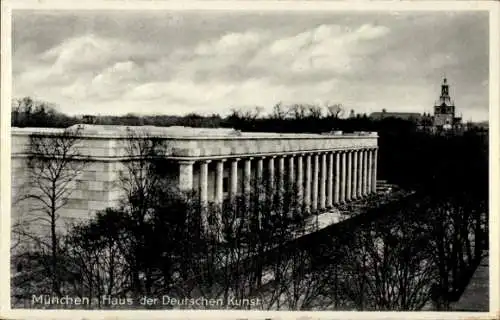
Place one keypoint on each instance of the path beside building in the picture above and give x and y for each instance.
(476, 295)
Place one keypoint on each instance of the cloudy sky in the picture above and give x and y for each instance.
(110, 62)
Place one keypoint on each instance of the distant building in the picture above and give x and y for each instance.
(444, 111)
(443, 119)
(412, 116)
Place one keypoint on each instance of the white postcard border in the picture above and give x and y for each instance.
(6, 87)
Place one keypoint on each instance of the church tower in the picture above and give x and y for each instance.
(444, 109)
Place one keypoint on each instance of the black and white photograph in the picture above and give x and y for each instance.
(251, 160)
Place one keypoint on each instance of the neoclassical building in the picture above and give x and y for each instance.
(327, 169)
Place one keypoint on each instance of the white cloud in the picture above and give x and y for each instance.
(94, 69)
(78, 90)
(147, 91)
(440, 60)
(117, 72)
(82, 52)
(98, 67)
(325, 48)
(370, 32)
(218, 96)
(114, 81)
(83, 57)
(184, 91)
(230, 44)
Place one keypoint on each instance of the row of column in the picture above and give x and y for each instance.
(322, 178)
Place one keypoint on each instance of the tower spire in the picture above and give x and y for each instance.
(445, 89)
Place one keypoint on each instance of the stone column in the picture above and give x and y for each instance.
(186, 175)
(315, 191)
(329, 192)
(361, 174)
(300, 179)
(281, 175)
(204, 181)
(307, 197)
(292, 187)
(348, 193)
(374, 173)
(204, 192)
(369, 155)
(219, 178)
(354, 190)
(271, 173)
(366, 189)
(259, 181)
(233, 187)
(336, 197)
(322, 184)
(343, 183)
(247, 182)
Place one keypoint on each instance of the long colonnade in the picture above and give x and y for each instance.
(322, 178)
(324, 169)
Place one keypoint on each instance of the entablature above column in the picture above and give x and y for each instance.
(113, 147)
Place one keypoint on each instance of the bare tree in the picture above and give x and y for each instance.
(388, 268)
(96, 265)
(142, 179)
(246, 114)
(141, 176)
(456, 245)
(298, 111)
(252, 114)
(241, 247)
(335, 110)
(54, 164)
(219, 263)
(282, 269)
(279, 112)
(315, 112)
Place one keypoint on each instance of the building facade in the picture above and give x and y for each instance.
(328, 169)
(384, 114)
